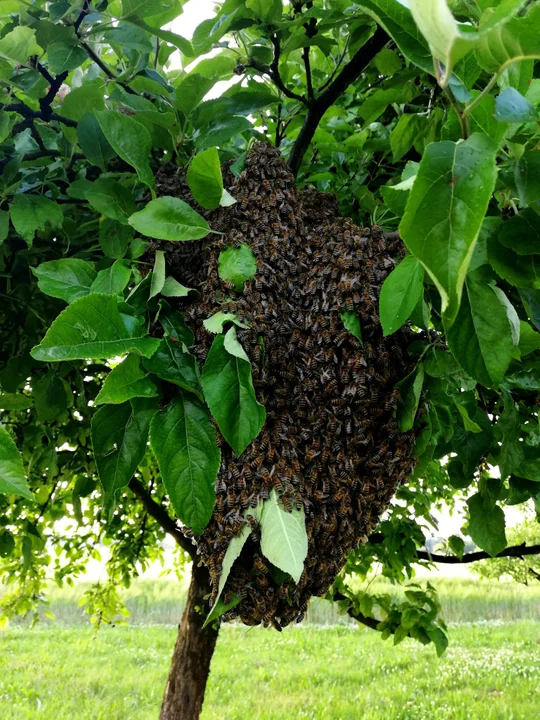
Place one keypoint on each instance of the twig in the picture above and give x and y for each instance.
(27, 112)
(108, 72)
(161, 516)
(317, 108)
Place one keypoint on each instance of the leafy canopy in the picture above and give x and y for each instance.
(421, 116)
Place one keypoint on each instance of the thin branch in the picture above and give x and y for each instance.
(106, 69)
(357, 615)
(162, 517)
(517, 551)
(27, 112)
(84, 12)
(352, 70)
(309, 80)
(51, 153)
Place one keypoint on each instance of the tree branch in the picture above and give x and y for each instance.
(108, 72)
(27, 112)
(161, 516)
(360, 617)
(317, 109)
(517, 551)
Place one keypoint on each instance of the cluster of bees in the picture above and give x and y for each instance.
(330, 444)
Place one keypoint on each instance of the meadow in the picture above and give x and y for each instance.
(327, 669)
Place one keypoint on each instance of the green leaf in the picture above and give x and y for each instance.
(63, 57)
(229, 392)
(529, 339)
(445, 211)
(173, 364)
(114, 238)
(220, 608)
(405, 134)
(126, 381)
(119, 437)
(232, 345)
(15, 402)
(400, 293)
(175, 327)
(521, 233)
(521, 271)
(284, 539)
(92, 327)
(439, 363)
(410, 390)
(50, 397)
(172, 288)
(113, 280)
(168, 218)
(93, 142)
(269, 11)
(12, 477)
(510, 41)
(67, 279)
(236, 265)
(486, 525)
(81, 100)
(30, 213)
(4, 225)
(442, 32)
(141, 8)
(205, 180)
(527, 177)
(231, 555)
(130, 140)
(216, 323)
(468, 424)
(158, 274)
(480, 339)
(511, 314)
(387, 62)
(19, 44)
(184, 442)
(456, 545)
(512, 107)
(351, 323)
(398, 22)
(511, 455)
(112, 199)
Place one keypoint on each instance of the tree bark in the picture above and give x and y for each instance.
(190, 666)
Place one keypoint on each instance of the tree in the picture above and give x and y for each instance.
(113, 195)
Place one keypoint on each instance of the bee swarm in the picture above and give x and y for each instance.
(330, 444)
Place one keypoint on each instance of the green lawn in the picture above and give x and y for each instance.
(491, 670)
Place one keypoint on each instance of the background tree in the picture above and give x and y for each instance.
(420, 126)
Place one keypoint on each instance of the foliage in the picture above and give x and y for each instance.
(419, 124)
(524, 570)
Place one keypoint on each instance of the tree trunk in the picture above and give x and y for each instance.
(192, 655)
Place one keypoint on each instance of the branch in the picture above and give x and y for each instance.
(106, 69)
(360, 617)
(517, 551)
(84, 12)
(309, 80)
(352, 70)
(27, 112)
(51, 153)
(161, 516)
(55, 84)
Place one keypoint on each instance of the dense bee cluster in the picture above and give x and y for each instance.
(330, 444)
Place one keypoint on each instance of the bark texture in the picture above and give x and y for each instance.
(190, 666)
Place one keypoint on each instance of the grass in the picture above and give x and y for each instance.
(491, 671)
(319, 671)
(160, 602)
